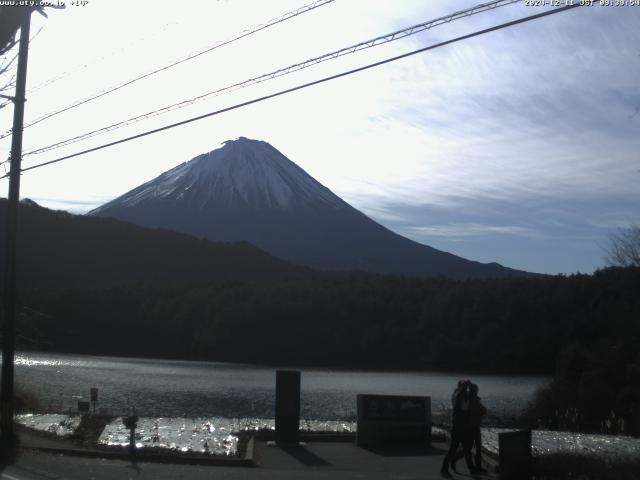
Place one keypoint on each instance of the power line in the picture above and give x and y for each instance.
(390, 37)
(243, 34)
(309, 84)
(97, 59)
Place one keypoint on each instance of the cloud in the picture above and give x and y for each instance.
(495, 124)
(463, 230)
(73, 206)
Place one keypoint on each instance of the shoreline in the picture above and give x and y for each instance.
(310, 367)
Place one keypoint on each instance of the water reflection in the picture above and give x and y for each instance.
(163, 388)
(32, 361)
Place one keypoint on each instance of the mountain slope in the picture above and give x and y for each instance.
(57, 249)
(247, 190)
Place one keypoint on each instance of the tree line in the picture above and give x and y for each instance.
(517, 325)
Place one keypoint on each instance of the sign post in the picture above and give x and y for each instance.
(287, 406)
(94, 398)
(131, 422)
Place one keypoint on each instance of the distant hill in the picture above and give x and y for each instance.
(58, 249)
(248, 190)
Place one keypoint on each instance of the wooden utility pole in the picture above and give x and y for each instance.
(8, 327)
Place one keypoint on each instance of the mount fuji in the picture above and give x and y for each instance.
(248, 190)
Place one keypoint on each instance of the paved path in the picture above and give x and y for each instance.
(346, 460)
(317, 460)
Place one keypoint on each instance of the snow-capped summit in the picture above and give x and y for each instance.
(247, 190)
(241, 173)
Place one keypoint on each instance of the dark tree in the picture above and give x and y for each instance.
(624, 247)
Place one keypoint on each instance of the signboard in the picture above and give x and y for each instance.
(395, 408)
(83, 406)
(94, 394)
(393, 420)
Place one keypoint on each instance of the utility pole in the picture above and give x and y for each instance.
(8, 327)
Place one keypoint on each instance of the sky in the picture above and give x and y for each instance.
(520, 146)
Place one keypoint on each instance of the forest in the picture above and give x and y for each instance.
(103, 287)
(510, 325)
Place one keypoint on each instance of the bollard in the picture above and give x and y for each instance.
(514, 451)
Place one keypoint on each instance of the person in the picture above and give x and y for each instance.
(461, 431)
(455, 392)
(476, 412)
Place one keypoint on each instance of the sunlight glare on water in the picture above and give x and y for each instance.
(170, 388)
(32, 361)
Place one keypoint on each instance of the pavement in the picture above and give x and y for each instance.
(48, 459)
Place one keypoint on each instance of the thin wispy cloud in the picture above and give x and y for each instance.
(73, 206)
(464, 230)
(510, 127)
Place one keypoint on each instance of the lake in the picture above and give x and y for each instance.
(169, 388)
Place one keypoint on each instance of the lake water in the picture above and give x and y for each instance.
(165, 388)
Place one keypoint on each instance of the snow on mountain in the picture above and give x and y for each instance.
(241, 173)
